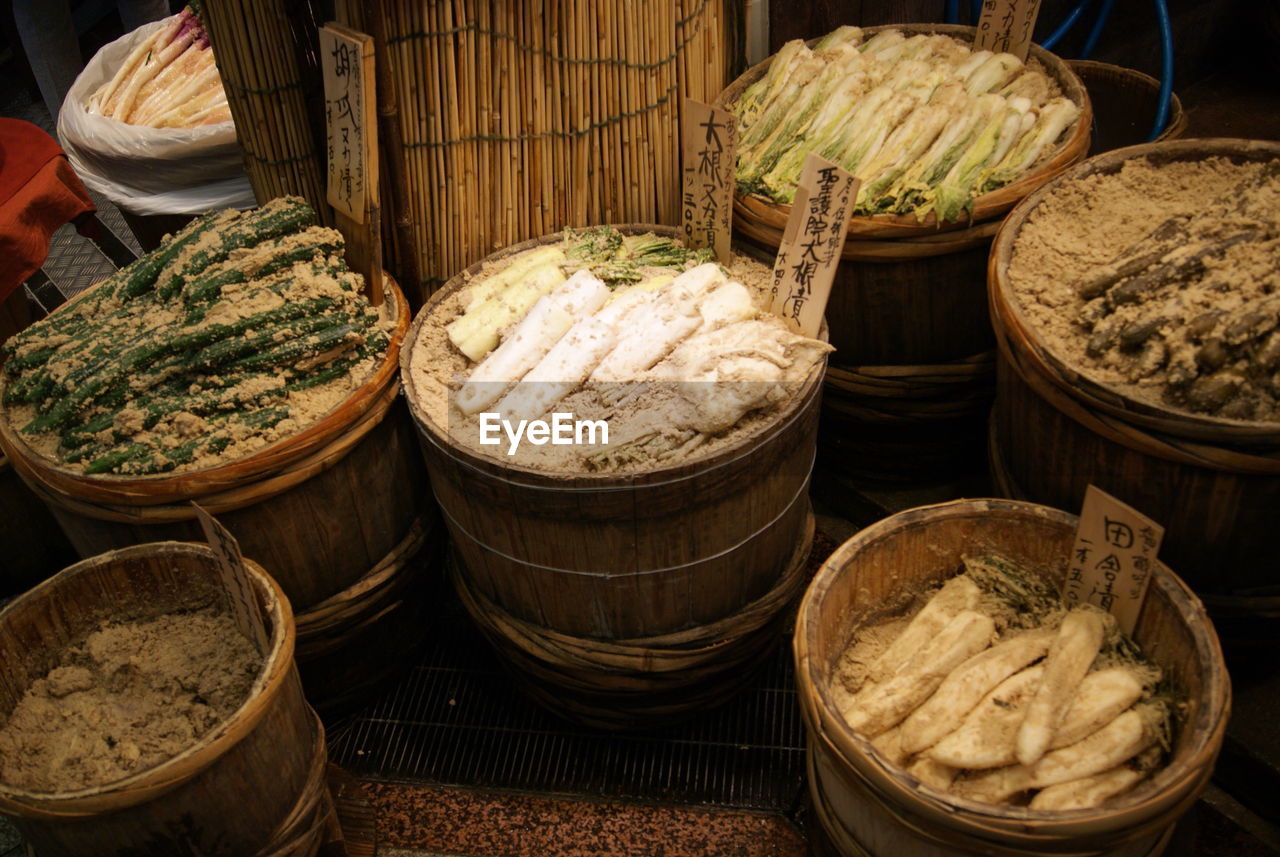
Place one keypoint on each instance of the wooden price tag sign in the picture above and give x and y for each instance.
(709, 138)
(812, 243)
(350, 109)
(1006, 26)
(244, 604)
(1112, 558)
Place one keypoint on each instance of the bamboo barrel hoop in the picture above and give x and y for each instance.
(1124, 105)
(1008, 316)
(271, 749)
(988, 206)
(872, 804)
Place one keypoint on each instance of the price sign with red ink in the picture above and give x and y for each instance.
(1112, 558)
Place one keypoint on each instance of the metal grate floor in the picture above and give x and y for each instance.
(456, 719)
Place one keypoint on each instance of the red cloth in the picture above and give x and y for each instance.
(38, 193)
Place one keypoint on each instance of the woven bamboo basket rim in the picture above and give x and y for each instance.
(530, 477)
(1010, 319)
(192, 484)
(371, 590)
(1177, 122)
(160, 779)
(1155, 797)
(985, 206)
(676, 651)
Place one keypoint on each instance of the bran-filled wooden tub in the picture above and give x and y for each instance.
(910, 384)
(867, 803)
(1206, 469)
(254, 784)
(621, 597)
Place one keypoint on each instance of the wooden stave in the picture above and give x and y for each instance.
(984, 827)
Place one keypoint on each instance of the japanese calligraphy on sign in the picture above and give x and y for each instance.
(709, 137)
(245, 609)
(1112, 558)
(812, 244)
(346, 59)
(1007, 26)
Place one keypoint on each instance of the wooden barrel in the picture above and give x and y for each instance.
(339, 512)
(253, 786)
(910, 383)
(1214, 483)
(1124, 106)
(627, 598)
(868, 806)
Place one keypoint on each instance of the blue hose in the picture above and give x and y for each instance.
(1166, 69)
(1094, 34)
(1065, 26)
(953, 11)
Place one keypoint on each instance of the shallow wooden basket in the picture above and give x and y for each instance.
(1213, 482)
(338, 512)
(254, 785)
(868, 806)
(623, 599)
(769, 218)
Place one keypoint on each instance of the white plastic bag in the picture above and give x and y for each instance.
(149, 170)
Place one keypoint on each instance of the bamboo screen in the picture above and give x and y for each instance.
(520, 119)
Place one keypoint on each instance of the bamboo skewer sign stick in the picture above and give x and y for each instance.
(346, 59)
(710, 139)
(1007, 25)
(812, 244)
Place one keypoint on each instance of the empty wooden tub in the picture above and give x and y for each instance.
(626, 598)
(867, 805)
(253, 785)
